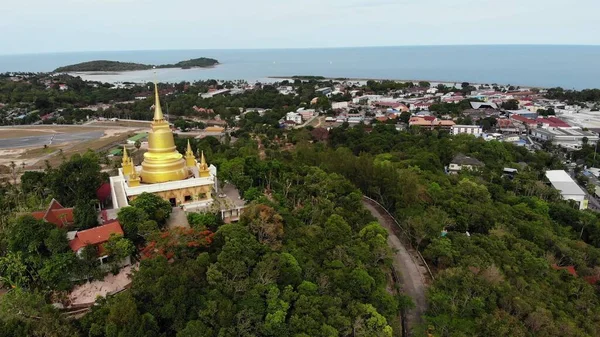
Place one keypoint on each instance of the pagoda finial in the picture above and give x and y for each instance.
(202, 160)
(189, 148)
(125, 156)
(158, 115)
(203, 167)
(127, 163)
(190, 159)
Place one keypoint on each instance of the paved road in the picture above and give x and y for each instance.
(412, 274)
(32, 141)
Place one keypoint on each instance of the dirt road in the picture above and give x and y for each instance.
(412, 274)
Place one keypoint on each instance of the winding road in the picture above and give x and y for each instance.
(413, 274)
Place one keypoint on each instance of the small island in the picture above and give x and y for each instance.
(105, 65)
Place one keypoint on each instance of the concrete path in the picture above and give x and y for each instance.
(178, 218)
(412, 274)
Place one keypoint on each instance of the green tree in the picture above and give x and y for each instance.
(30, 312)
(154, 206)
(511, 104)
(57, 241)
(77, 179)
(203, 221)
(131, 218)
(85, 214)
(119, 247)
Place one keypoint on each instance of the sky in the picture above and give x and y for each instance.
(37, 26)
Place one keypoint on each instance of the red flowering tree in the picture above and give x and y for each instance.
(177, 242)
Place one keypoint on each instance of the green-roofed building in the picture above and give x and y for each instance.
(139, 136)
(115, 152)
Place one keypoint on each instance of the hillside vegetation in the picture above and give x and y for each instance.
(105, 65)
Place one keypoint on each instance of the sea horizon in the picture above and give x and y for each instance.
(300, 48)
(529, 65)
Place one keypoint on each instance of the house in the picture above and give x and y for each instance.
(142, 96)
(523, 113)
(56, 214)
(552, 122)
(285, 89)
(306, 114)
(520, 120)
(63, 87)
(323, 91)
(96, 237)
(484, 105)
(213, 92)
(474, 130)
(339, 105)
(421, 121)
(294, 117)
(443, 124)
(568, 188)
(506, 125)
(462, 162)
(421, 106)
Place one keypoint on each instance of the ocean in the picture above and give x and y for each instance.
(571, 67)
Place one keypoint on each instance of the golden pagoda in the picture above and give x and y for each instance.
(178, 179)
(162, 162)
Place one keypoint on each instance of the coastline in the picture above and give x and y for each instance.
(122, 72)
(112, 72)
(358, 79)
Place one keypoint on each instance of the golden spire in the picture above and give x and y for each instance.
(203, 167)
(125, 156)
(162, 162)
(202, 160)
(189, 148)
(127, 164)
(158, 115)
(190, 160)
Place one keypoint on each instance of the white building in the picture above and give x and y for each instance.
(339, 105)
(461, 162)
(568, 188)
(474, 130)
(294, 117)
(567, 138)
(213, 93)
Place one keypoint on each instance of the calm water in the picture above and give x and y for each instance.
(545, 66)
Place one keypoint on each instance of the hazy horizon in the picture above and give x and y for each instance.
(40, 26)
(303, 48)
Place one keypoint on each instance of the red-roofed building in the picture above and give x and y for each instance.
(523, 120)
(552, 122)
(97, 237)
(56, 214)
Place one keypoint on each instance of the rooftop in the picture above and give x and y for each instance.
(461, 159)
(561, 181)
(55, 214)
(95, 236)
